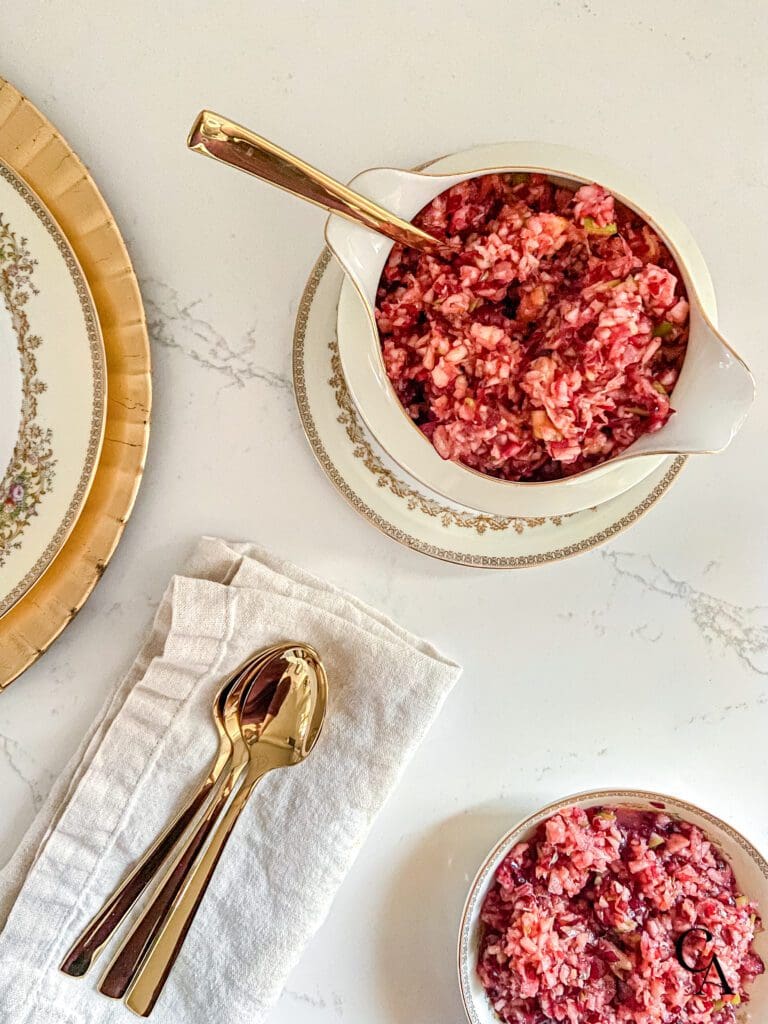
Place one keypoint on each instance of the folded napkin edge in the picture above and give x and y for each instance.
(212, 550)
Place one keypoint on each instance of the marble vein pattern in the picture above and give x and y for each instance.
(177, 324)
(743, 630)
(26, 769)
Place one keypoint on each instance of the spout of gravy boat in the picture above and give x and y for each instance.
(711, 398)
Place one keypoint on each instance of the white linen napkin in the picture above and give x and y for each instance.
(152, 745)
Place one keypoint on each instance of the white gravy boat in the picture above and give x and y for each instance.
(711, 399)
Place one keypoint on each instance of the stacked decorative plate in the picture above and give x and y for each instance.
(346, 406)
(74, 384)
(402, 507)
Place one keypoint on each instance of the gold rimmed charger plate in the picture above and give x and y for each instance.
(32, 147)
(399, 505)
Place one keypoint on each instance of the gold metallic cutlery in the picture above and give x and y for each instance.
(280, 720)
(224, 140)
(122, 969)
(101, 927)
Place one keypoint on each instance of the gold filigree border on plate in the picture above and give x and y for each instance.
(98, 368)
(435, 551)
(414, 499)
(29, 475)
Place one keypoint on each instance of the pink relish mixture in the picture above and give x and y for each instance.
(551, 340)
(581, 924)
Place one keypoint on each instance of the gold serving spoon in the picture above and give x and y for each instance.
(227, 141)
(281, 718)
(122, 969)
(101, 927)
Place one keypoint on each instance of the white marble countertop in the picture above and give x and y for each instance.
(642, 663)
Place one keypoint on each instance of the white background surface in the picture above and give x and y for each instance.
(644, 663)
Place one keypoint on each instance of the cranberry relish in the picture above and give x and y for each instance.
(581, 924)
(552, 339)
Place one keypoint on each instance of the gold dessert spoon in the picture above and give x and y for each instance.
(224, 140)
(122, 969)
(280, 718)
(101, 927)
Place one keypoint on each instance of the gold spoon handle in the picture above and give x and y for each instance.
(99, 930)
(224, 140)
(122, 969)
(153, 973)
(124, 966)
(101, 927)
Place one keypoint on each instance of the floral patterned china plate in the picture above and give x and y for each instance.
(52, 388)
(405, 509)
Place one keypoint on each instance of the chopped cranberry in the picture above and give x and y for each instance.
(583, 921)
(549, 342)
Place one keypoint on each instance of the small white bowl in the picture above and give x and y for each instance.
(749, 867)
(712, 396)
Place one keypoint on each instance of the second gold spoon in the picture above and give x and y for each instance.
(224, 140)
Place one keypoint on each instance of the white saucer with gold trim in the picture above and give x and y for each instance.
(400, 506)
(52, 388)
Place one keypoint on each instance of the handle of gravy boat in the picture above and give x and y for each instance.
(361, 252)
(711, 399)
